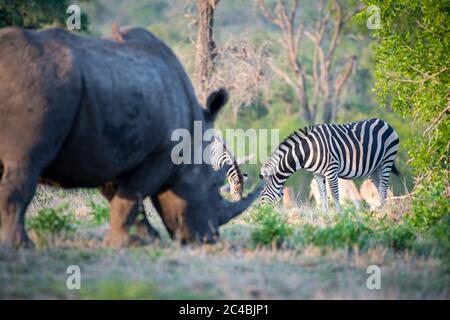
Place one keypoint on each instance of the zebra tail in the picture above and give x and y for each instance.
(395, 170)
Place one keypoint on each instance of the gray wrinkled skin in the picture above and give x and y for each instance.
(81, 112)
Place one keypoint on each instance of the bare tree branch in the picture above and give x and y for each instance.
(267, 15)
(338, 22)
(327, 85)
(283, 75)
(345, 74)
(244, 70)
(292, 35)
(361, 7)
(437, 120)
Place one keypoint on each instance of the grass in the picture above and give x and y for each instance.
(99, 212)
(263, 254)
(50, 223)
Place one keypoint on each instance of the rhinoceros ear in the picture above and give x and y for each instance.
(215, 102)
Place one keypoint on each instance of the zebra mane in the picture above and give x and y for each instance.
(303, 133)
(278, 154)
(224, 145)
(230, 154)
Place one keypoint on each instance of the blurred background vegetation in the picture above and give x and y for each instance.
(412, 44)
(276, 105)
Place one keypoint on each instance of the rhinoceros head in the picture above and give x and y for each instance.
(192, 207)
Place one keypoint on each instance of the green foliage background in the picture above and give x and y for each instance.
(37, 14)
(412, 76)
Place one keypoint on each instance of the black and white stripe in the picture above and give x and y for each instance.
(222, 157)
(332, 151)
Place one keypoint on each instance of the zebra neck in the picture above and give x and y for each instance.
(288, 157)
(233, 169)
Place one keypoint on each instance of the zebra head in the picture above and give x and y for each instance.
(272, 191)
(222, 157)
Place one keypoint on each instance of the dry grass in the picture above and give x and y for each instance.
(231, 269)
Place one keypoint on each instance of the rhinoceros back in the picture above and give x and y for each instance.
(129, 97)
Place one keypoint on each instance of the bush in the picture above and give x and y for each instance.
(400, 236)
(50, 222)
(412, 78)
(272, 227)
(365, 232)
(346, 232)
(440, 236)
(430, 205)
(350, 229)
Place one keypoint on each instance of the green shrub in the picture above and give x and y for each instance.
(50, 222)
(365, 232)
(412, 78)
(400, 236)
(99, 212)
(430, 205)
(272, 226)
(440, 237)
(346, 232)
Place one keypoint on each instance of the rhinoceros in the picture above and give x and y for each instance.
(83, 112)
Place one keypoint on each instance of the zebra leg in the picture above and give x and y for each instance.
(382, 181)
(334, 188)
(323, 191)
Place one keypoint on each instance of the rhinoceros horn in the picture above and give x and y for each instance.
(229, 210)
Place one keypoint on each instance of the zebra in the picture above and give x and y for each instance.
(222, 157)
(331, 151)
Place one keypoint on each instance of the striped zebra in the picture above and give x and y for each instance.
(222, 157)
(332, 151)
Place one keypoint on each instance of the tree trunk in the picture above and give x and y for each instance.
(205, 48)
(327, 111)
(306, 112)
(328, 97)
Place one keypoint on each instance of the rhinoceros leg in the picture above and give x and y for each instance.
(122, 216)
(17, 187)
(143, 226)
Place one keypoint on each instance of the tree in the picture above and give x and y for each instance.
(205, 48)
(243, 69)
(412, 76)
(326, 82)
(237, 65)
(36, 14)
